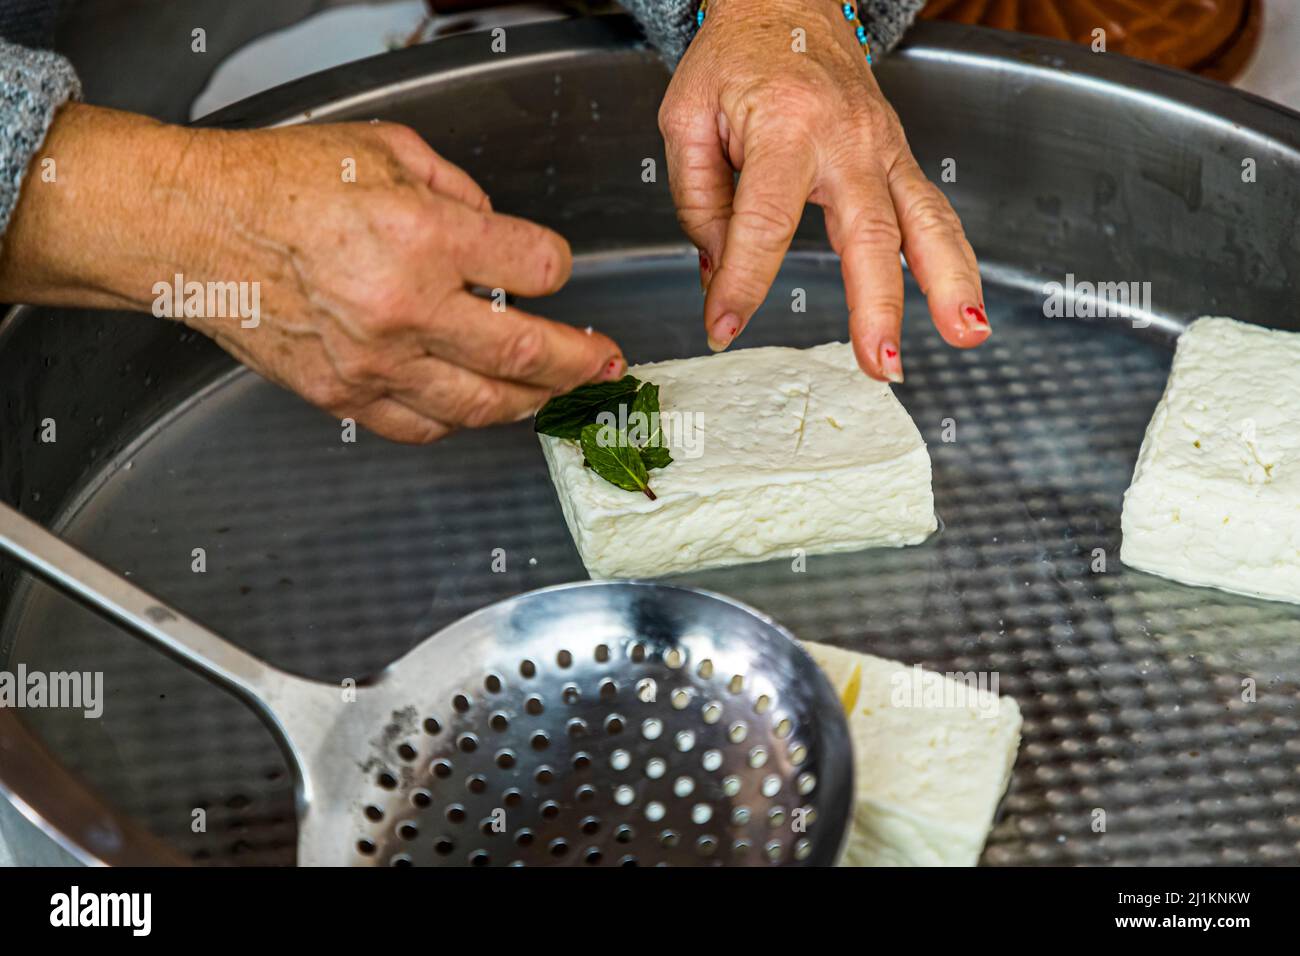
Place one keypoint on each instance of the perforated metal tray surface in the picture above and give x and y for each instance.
(1142, 744)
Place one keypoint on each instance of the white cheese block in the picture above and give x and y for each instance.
(775, 449)
(932, 757)
(1215, 496)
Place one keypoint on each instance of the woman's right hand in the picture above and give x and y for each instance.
(363, 241)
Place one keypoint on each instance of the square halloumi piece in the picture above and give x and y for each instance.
(775, 449)
(1215, 496)
(932, 757)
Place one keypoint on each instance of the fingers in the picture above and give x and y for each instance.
(515, 346)
(939, 256)
(503, 252)
(394, 421)
(444, 392)
(494, 251)
(774, 184)
(862, 229)
(450, 180)
(440, 175)
(702, 183)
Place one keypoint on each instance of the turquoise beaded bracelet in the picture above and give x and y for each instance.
(850, 16)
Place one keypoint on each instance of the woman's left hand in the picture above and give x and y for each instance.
(801, 127)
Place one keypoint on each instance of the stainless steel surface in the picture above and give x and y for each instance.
(118, 600)
(329, 559)
(595, 723)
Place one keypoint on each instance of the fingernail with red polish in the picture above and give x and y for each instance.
(975, 319)
(891, 363)
(613, 369)
(723, 331)
(706, 270)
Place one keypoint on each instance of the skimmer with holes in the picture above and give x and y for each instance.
(611, 723)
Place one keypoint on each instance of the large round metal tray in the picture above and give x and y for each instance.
(331, 558)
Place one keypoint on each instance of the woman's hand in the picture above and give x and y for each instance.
(808, 127)
(363, 243)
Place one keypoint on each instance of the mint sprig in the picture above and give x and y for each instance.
(612, 456)
(609, 451)
(654, 452)
(565, 415)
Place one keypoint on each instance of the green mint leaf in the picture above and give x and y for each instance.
(565, 415)
(614, 458)
(655, 457)
(655, 451)
(646, 402)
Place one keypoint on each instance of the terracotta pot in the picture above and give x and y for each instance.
(1211, 37)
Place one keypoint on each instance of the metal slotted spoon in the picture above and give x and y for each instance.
(622, 723)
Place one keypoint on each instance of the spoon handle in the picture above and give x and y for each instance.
(118, 600)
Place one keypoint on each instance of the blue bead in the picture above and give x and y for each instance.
(699, 19)
(862, 33)
(848, 11)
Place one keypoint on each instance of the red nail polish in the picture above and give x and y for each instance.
(705, 264)
(613, 369)
(977, 323)
(891, 366)
(724, 330)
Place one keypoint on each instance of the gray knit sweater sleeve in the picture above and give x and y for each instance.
(670, 24)
(33, 84)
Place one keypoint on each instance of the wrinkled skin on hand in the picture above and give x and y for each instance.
(802, 127)
(367, 307)
(362, 241)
